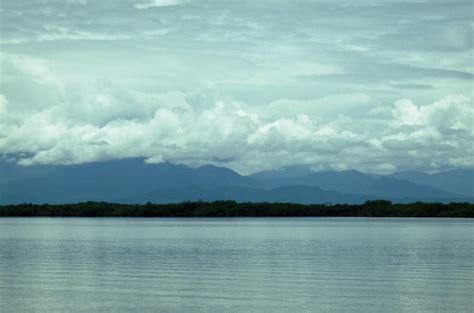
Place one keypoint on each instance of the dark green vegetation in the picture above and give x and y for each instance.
(379, 208)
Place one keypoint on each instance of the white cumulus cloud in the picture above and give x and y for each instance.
(54, 121)
(156, 3)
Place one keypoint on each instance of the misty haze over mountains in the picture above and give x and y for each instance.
(134, 181)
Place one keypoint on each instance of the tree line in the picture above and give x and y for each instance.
(377, 208)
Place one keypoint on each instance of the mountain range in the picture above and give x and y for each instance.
(134, 181)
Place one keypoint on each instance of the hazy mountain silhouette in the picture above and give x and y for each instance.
(458, 181)
(110, 181)
(10, 171)
(295, 194)
(134, 181)
(353, 182)
(375, 186)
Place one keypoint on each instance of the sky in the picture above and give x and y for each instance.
(376, 86)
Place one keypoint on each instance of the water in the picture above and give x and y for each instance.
(236, 265)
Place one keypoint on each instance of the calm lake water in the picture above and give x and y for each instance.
(236, 265)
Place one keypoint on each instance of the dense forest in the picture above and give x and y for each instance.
(379, 208)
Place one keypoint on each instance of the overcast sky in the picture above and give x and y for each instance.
(377, 86)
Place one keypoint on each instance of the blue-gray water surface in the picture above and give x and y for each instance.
(236, 265)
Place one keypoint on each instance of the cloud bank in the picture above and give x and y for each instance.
(248, 86)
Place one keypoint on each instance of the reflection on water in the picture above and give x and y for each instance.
(236, 265)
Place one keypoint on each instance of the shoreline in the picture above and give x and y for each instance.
(202, 209)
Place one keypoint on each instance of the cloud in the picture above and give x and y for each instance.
(3, 106)
(413, 86)
(157, 4)
(406, 113)
(28, 84)
(323, 108)
(247, 85)
(101, 121)
(452, 112)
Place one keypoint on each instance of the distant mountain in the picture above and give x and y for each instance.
(11, 171)
(374, 186)
(134, 181)
(295, 194)
(110, 181)
(459, 181)
(352, 182)
(210, 176)
(283, 174)
(391, 188)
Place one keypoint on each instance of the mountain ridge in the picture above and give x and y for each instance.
(135, 181)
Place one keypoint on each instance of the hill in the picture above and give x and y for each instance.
(134, 181)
